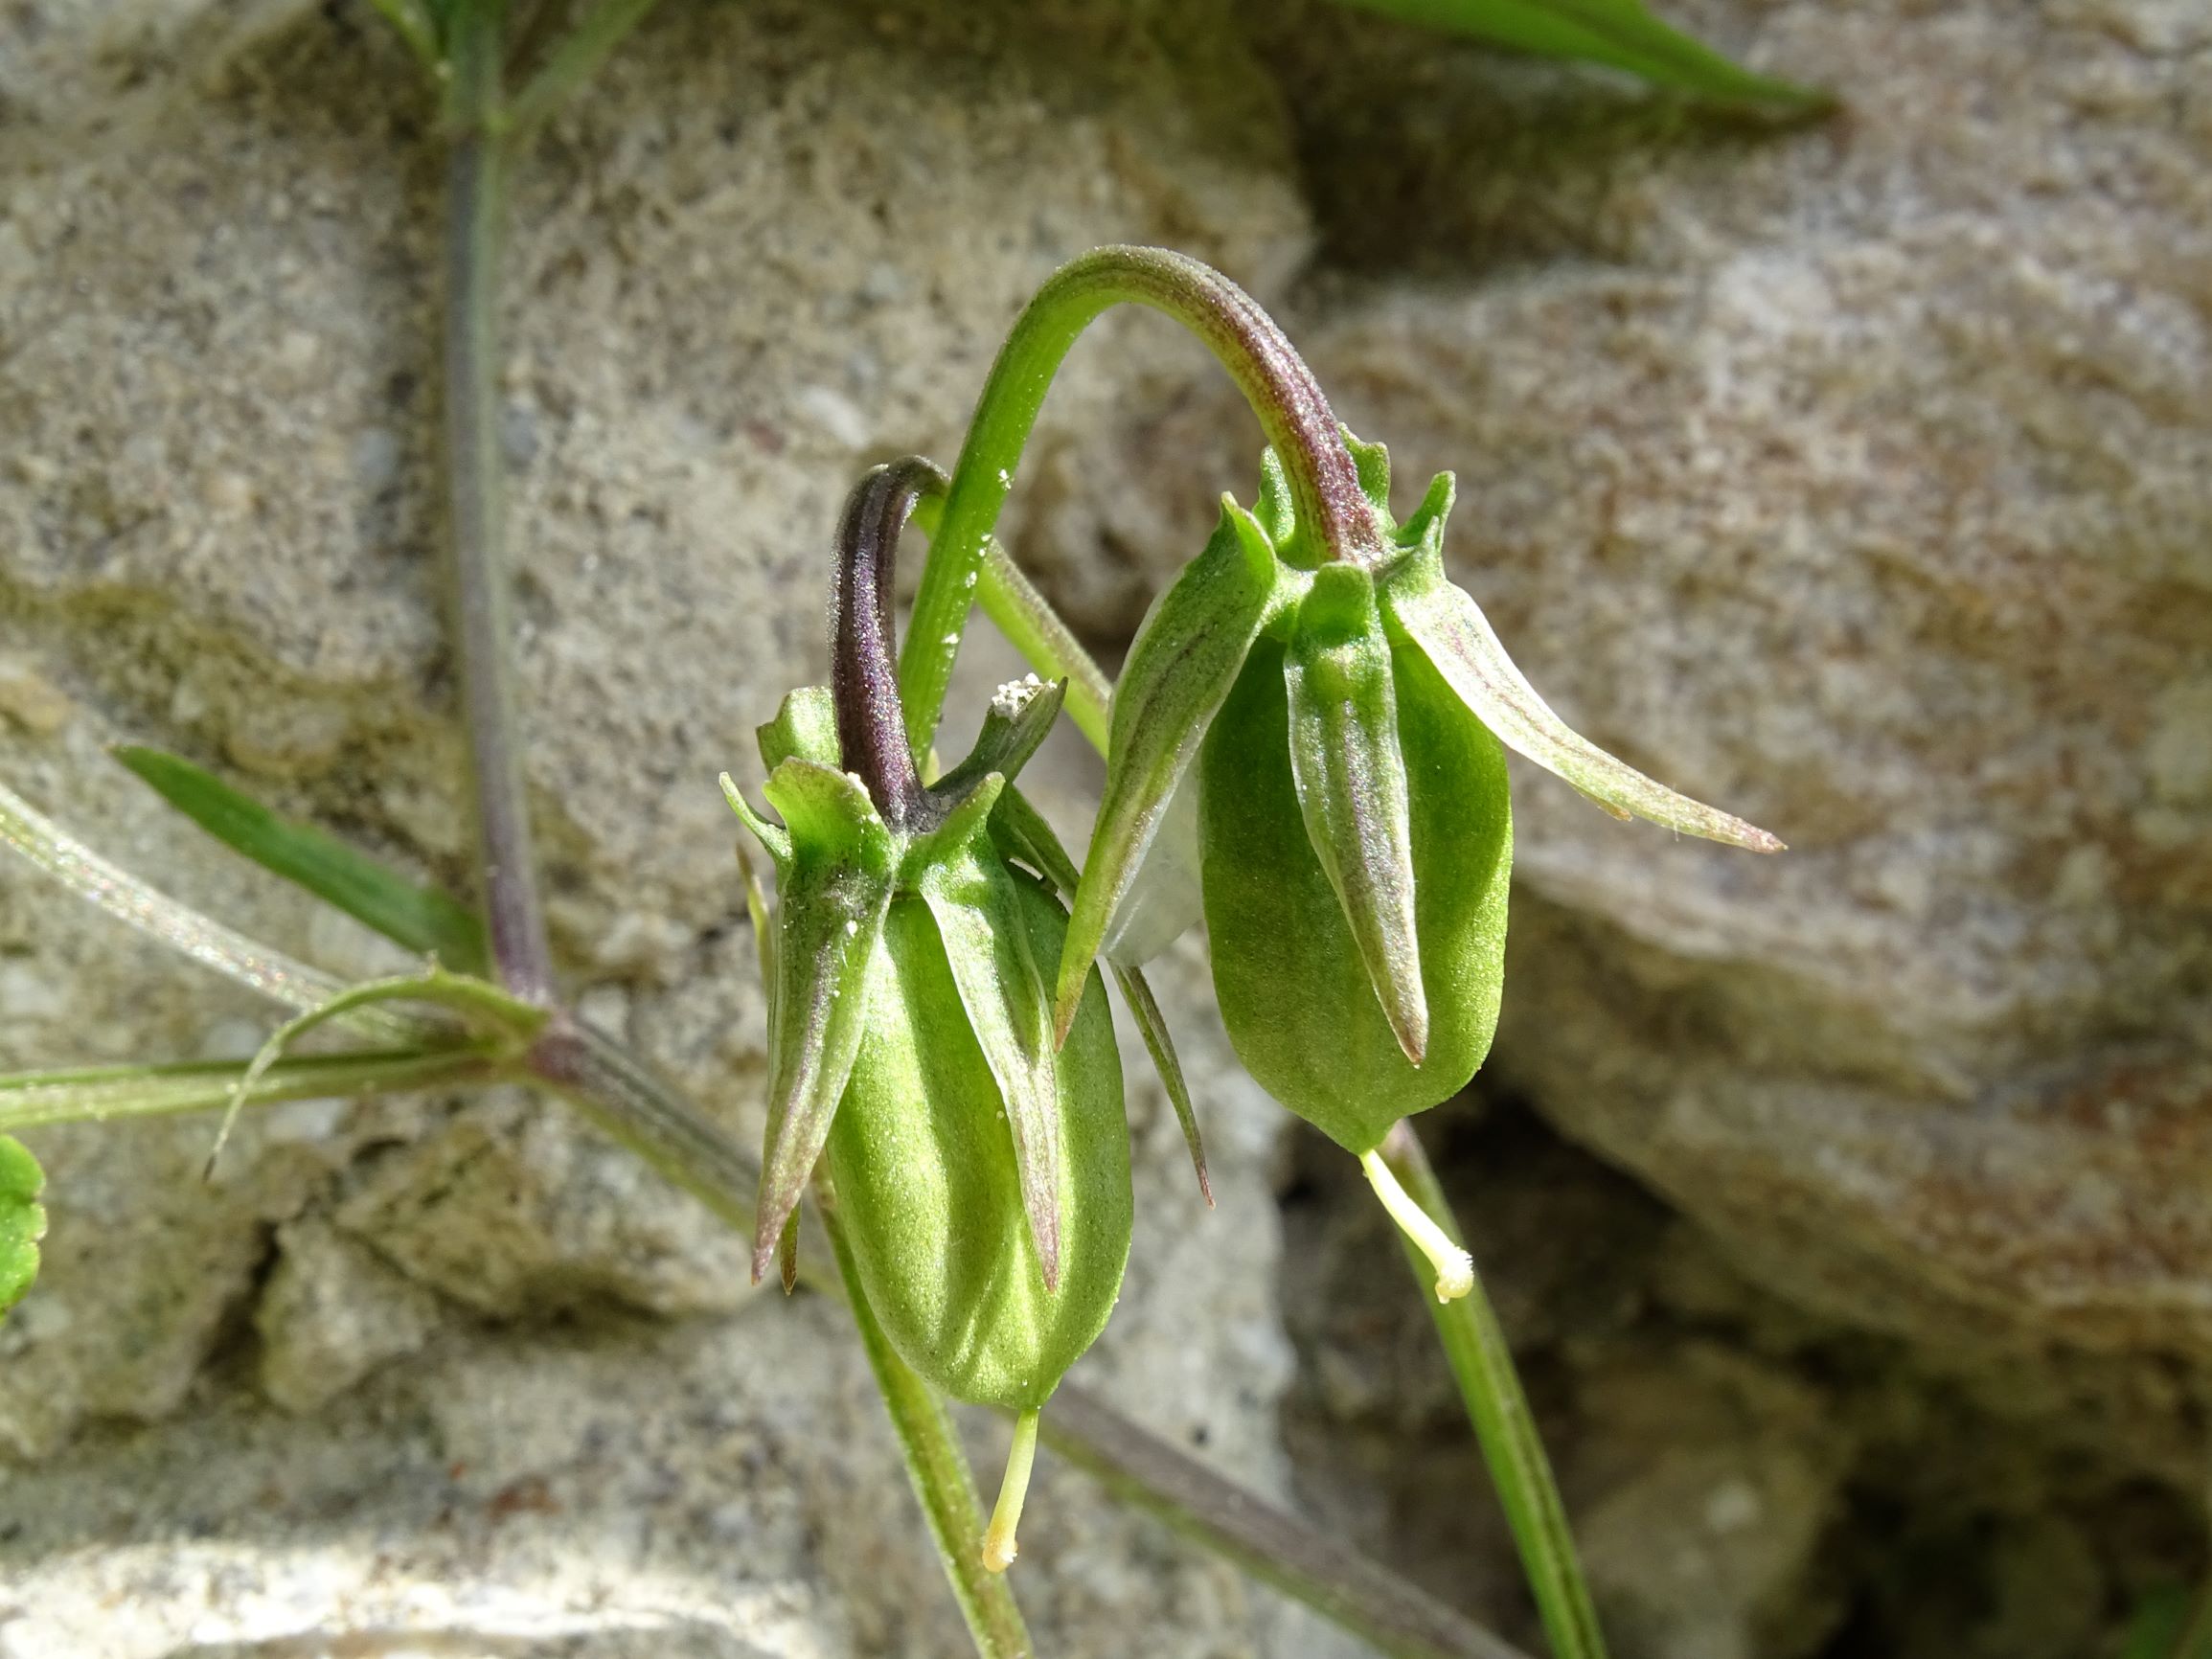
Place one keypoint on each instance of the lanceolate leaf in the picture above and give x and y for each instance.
(1619, 33)
(1185, 659)
(22, 1221)
(1452, 632)
(422, 919)
(974, 902)
(1351, 780)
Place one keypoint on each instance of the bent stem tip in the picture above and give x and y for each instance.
(1454, 1266)
(998, 1545)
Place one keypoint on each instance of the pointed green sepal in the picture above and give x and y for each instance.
(832, 890)
(1421, 605)
(1371, 462)
(805, 729)
(1351, 782)
(771, 836)
(1022, 833)
(973, 898)
(967, 820)
(1185, 658)
(1153, 1026)
(1018, 720)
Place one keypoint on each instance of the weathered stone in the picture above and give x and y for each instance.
(332, 1313)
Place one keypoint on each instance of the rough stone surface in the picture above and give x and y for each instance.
(332, 1313)
(1858, 477)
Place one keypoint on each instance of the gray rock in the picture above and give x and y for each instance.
(332, 1313)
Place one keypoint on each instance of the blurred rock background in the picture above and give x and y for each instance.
(1852, 1210)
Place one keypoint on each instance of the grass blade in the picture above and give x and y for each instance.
(419, 918)
(1618, 34)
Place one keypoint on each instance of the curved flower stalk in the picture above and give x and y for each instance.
(982, 1171)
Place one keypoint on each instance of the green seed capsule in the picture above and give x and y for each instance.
(924, 1173)
(981, 1174)
(1295, 989)
(1354, 833)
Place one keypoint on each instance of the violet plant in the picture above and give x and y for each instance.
(932, 959)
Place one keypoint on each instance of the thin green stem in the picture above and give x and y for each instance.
(1503, 1426)
(1033, 629)
(475, 492)
(572, 63)
(106, 1092)
(1296, 417)
(935, 1464)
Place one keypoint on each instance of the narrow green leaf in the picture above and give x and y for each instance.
(205, 941)
(22, 1221)
(1186, 656)
(972, 900)
(1352, 789)
(1619, 33)
(419, 918)
(1419, 601)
